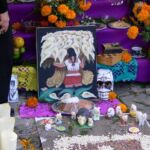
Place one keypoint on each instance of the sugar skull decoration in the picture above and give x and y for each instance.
(105, 83)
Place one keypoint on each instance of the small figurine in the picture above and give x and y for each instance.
(118, 111)
(82, 116)
(73, 115)
(124, 119)
(90, 122)
(48, 127)
(110, 112)
(58, 119)
(96, 113)
(82, 120)
(123, 116)
(133, 110)
(141, 118)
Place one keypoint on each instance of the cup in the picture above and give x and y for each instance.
(136, 51)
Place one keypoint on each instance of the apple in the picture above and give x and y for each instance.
(18, 42)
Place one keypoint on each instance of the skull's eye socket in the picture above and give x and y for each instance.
(99, 83)
(108, 84)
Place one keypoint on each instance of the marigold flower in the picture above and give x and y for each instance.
(143, 15)
(137, 8)
(146, 7)
(133, 32)
(123, 107)
(60, 24)
(85, 6)
(126, 57)
(52, 18)
(112, 95)
(32, 101)
(63, 9)
(70, 14)
(46, 10)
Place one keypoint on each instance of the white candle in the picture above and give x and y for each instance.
(4, 110)
(8, 140)
(7, 123)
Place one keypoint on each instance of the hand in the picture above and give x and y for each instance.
(4, 22)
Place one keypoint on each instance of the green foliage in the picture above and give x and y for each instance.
(146, 34)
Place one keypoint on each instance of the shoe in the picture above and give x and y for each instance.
(12, 112)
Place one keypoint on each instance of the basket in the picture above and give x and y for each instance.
(109, 59)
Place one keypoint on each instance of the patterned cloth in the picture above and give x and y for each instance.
(27, 77)
(122, 71)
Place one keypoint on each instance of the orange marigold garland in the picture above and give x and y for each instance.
(126, 57)
(59, 12)
(133, 32)
(85, 6)
(137, 7)
(63, 9)
(46, 10)
(146, 7)
(112, 95)
(143, 15)
(52, 18)
(60, 24)
(32, 101)
(141, 18)
(27, 144)
(123, 107)
(70, 14)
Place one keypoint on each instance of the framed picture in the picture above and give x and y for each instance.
(13, 90)
(66, 62)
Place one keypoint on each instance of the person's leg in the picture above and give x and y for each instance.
(6, 50)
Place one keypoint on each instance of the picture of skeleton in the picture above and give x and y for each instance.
(68, 51)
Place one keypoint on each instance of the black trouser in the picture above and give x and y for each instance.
(6, 50)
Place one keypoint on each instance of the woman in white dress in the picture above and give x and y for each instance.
(73, 67)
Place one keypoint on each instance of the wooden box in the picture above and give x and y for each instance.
(109, 59)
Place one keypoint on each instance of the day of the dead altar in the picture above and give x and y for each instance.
(74, 69)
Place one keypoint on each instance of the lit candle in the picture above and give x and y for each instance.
(4, 110)
(8, 140)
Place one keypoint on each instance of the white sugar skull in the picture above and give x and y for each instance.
(104, 83)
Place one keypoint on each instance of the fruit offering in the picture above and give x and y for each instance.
(18, 47)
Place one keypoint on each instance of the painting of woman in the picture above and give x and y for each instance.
(73, 66)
